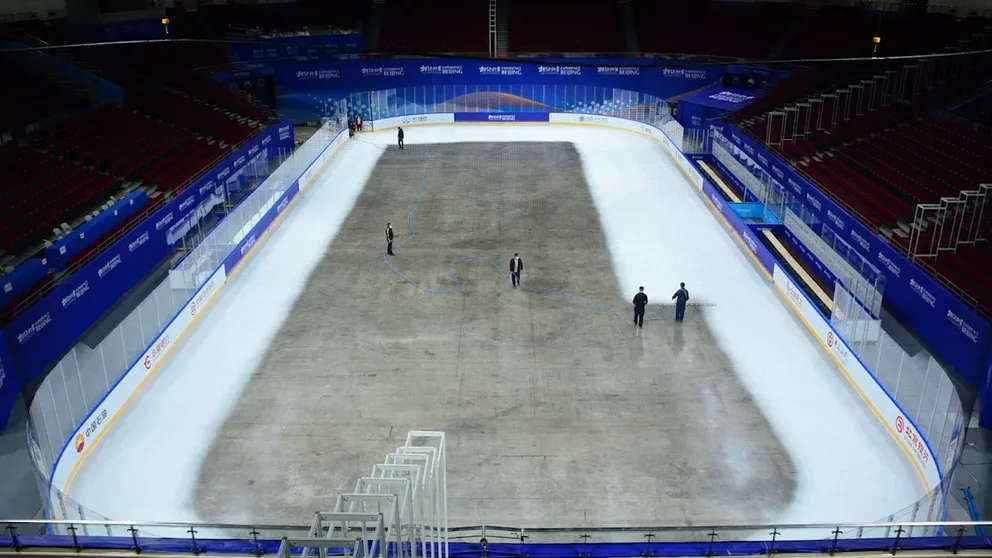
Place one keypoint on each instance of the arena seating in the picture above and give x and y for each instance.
(410, 26)
(550, 26)
(884, 163)
(41, 190)
(207, 90)
(132, 146)
(173, 125)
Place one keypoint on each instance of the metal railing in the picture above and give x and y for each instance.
(476, 540)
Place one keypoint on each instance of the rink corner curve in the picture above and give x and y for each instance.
(110, 408)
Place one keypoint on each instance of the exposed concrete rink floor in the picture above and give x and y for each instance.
(557, 413)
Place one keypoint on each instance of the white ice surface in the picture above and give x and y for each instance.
(659, 232)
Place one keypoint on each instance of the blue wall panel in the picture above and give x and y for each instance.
(9, 386)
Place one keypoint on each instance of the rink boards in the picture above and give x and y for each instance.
(113, 404)
(876, 398)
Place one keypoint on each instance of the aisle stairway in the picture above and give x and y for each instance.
(502, 27)
(629, 27)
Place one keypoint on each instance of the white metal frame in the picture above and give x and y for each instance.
(408, 492)
(955, 221)
(341, 526)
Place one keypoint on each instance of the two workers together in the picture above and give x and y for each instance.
(680, 297)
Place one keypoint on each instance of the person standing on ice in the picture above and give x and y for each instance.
(640, 301)
(516, 266)
(680, 297)
(389, 239)
(399, 137)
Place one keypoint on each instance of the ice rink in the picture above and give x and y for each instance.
(842, 465)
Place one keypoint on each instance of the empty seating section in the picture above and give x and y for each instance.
(133, 146)
(885, 162)
(173, 125)
(187, 112)
(883, 175)
(552, 26)
(411, 26)
(39, 191)
(207, 90)
(739, 30)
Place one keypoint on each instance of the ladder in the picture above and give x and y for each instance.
(492, 29)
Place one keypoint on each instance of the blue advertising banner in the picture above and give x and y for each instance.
(461, 85)
(696, 109)
(251, 239)
(9, 388)
(293, 47)
(695, 116)
(955, 331)
(45, 331)
(722, 98)
(365, 75)
(22, 278)
(40, 336)
(84, 235)
(501, 117)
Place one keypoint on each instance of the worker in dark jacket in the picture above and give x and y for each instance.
(640, 301)
(680, 297)
(516, 266)
(399, 136)
(389, 239)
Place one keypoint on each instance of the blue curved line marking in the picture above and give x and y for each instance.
(451, 266)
